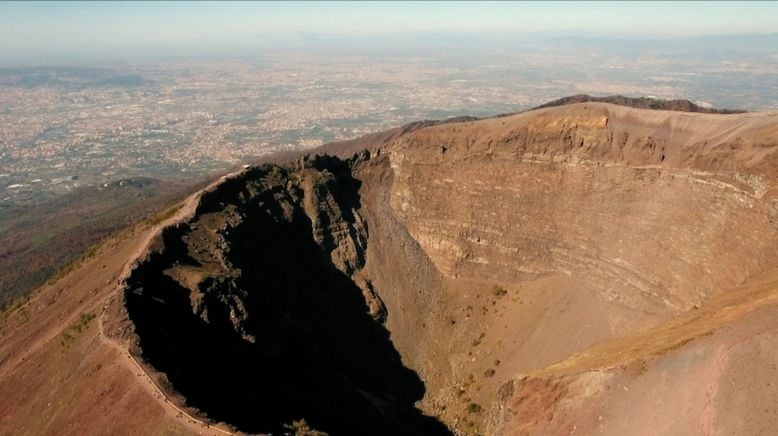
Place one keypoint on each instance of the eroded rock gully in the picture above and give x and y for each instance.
(487, 249)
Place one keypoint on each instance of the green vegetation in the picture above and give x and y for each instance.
(164, 215)
(75, 329)
(17, 304)
(44, 242)
(74, 264)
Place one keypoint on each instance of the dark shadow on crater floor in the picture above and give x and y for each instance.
(317, 355)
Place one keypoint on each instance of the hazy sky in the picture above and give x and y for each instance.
(43, 29)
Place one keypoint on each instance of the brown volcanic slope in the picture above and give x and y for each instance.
(576, 269)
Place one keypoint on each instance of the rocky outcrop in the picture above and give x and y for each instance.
(639, 103)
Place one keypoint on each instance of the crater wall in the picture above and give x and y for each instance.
(399, 291)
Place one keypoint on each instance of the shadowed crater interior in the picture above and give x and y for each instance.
(251, 311)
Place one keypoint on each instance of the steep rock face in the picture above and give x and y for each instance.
(252, 311)
(577, 196)
(491, 250)
(607, 220)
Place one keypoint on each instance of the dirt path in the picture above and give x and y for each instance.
(34, 331)
(187, 209)
(192, 423)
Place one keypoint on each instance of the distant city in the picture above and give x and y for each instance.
(63, 127)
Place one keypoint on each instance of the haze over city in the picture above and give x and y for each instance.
(388, 218)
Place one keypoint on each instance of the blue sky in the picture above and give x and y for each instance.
(44, 27)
